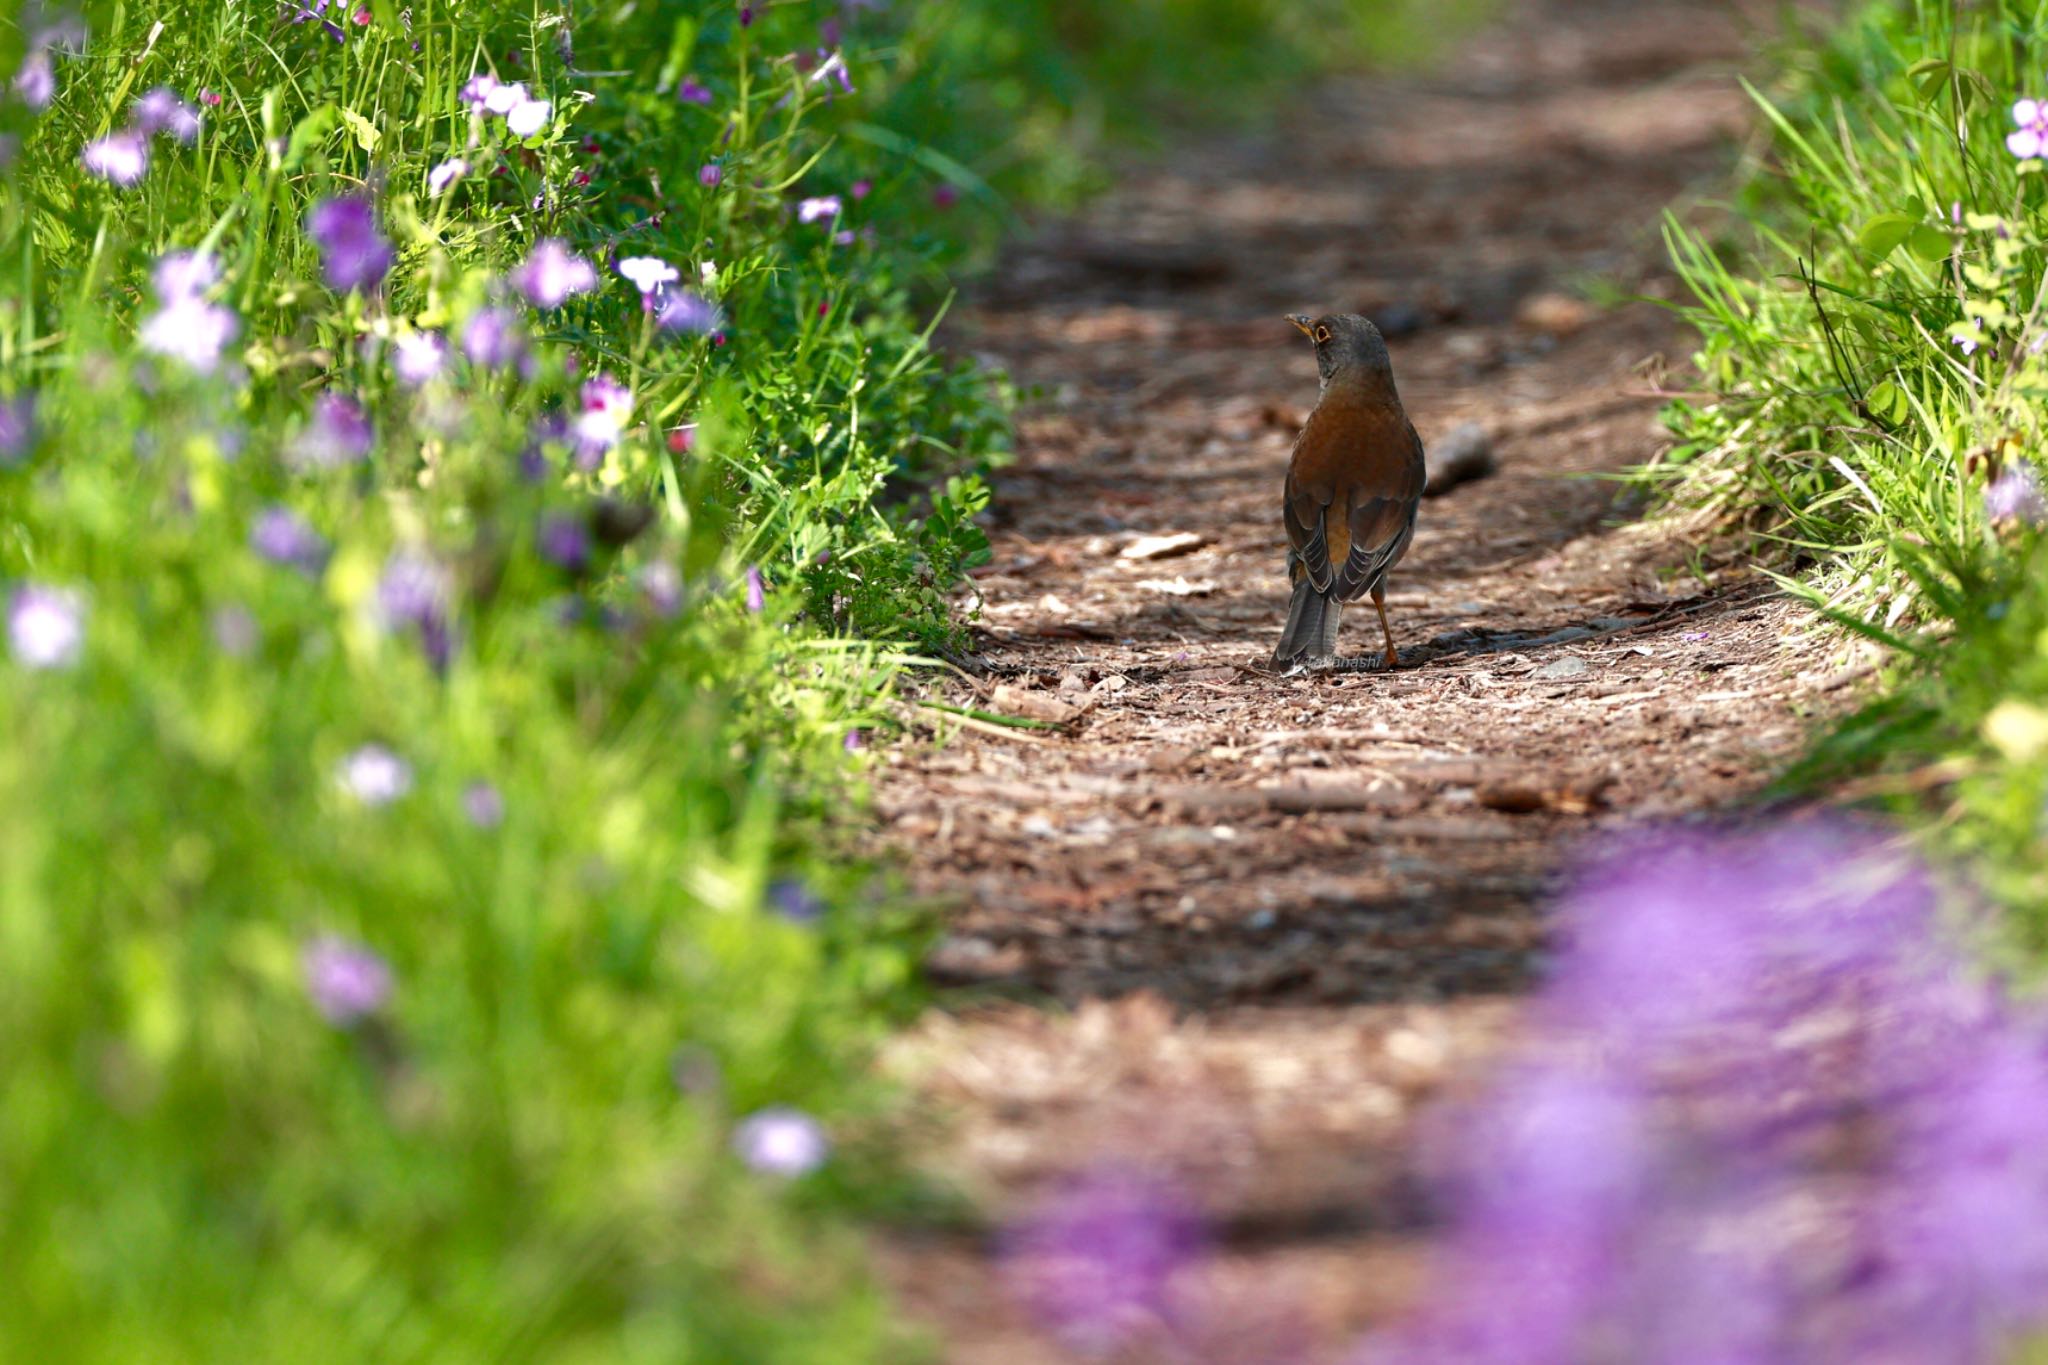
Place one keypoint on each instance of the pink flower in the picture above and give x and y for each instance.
(822, 207)
(528, 117)
(346, 980)
(161, 111)
(2031, 140)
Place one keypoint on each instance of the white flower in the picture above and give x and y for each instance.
(374, 775)
(528, 117)
(648, 273)
(46, 626)
(446, 174)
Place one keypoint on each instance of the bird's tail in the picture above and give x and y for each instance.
(1311, 631)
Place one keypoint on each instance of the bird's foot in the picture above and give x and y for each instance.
(1305, 663)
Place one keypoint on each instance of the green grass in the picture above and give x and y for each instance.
(526, 1152)
(1872, 317)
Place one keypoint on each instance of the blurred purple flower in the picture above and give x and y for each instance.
(757, 590)
(813, 210)
(160, 110)
(476, 92)
(781, 1141)
(1097, 1261)
(373, 775)
(338, 433)
(182, 274)
(484, 805)
(235, 631)
(564, 543)
(1967, 345)
(856, 740)
(493, 339)
(945, 195)
(418, 357)
(860, 189)
(833, 68)
(662, 586)
(693, 91)
(746, 16)
(446, 174)
(607, 407)
(118, 158)
(502, 97)
(2016, 496)
(35, 84)
(415, 592)
(2031, 138)
(190, 330)
(793, 900)
(17, 428)
(709, 175)
(283, 537)
(685, 311)
(346, 981)
(1772, 1117)
(552, 274)
(46, 626)
(353, 255)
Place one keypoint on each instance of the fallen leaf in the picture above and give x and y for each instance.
(1160, 547)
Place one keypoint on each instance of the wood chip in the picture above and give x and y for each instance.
(1162, 547)
(1028, 705)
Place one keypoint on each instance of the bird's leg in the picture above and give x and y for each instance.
(1379, 602)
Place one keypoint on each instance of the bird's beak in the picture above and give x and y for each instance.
(1303, 321)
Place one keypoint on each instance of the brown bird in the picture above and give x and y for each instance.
(1352, 489)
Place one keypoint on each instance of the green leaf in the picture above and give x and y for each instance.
(1929, 243)
(1928, 76)
(367, 136)
(1881, 399)
(1881, 235)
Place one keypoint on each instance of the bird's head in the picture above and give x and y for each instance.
(1347, 346)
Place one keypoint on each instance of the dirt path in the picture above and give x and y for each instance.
(1272, 915)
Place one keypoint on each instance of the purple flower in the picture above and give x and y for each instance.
(418, 357)
(492, 339)
(35, 84)
(564, 543)
(944, 196)
(484, 805)
(1967, 345)
(414, 593)
(648, 274)
(283, 537)
(781, 1141)
(184, 275)
(1097, 1261)
(2031, 139)
(190, 330)
(339, 433)
(823, 206)
(856, 740)
(832, 67)
(662, 586)
(746, 16)
(2016, 496)
(444, 175)
(161, 111)
(552, 274)
(354, 256)
(17, 428)
(795, 901)
(693, 91)
(684, 311)
(46, 626)
(709, 174)
(118, 158)
(373, 775)
(757, 590)
(477, 92)
(501, 97)
(346, 980)
(235, 631)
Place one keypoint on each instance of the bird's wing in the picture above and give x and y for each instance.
(1352, 491)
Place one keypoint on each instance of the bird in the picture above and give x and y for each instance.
(1354, 483)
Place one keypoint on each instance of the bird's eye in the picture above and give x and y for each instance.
(1322, 334)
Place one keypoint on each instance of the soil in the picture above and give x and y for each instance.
(1237, 928)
